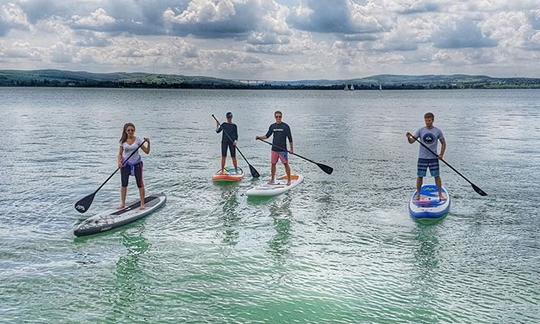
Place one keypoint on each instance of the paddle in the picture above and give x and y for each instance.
(84, 204)
(323, 167)
(254, 172)
(478, 190)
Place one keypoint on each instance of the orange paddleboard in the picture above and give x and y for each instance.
(229, 175)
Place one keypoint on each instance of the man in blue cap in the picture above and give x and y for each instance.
(228, 140)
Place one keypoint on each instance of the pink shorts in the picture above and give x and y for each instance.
(282, 156)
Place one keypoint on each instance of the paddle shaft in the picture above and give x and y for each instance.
(451, 167)
(284, 149)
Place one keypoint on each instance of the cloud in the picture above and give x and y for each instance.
(61, 53)
(534, 18)
(406, 35)
(461, 34)
(97, 19)
(215, 19)
(12, 17)
(533, 42)
(337, 16)
(92, 39)
(19, 50)
(261, 38)
(419, 6)
(43, 9)
(358, 37)
(469, 56)
(273, 38)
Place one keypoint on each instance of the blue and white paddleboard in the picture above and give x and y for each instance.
(429, 207)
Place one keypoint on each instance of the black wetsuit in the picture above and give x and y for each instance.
(280, 133)
(231, 130)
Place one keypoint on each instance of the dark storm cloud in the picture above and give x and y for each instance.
(461, 34)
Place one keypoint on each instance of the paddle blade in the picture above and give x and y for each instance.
(325, 168)
(479, 191)
(84, 204)
(254, 172)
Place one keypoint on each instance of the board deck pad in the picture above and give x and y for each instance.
(148, 202)
(232, 171)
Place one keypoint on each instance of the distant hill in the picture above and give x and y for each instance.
(59, 78)
(389, 81)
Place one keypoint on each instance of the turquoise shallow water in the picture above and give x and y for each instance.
(339, 248)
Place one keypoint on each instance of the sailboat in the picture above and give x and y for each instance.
(380, 87)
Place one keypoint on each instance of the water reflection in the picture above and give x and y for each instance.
(281, 215)
(130, 287)
(427, 248)
(426, 262)
(230, 216)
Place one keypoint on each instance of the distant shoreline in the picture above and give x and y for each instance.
(329, 88)
(81, 79)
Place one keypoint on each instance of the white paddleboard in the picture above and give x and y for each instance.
(276, 188)
(118, 217)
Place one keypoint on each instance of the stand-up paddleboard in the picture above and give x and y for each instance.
(229, 175)
(429, 207)
(118, 217)
(276, 188)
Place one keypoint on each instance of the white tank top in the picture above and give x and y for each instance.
(128, 149)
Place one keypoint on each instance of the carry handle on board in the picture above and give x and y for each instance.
(83, 205)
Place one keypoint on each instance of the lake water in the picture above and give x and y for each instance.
(338, 248)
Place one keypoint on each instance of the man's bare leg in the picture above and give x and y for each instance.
(288, 171)
(419, 182)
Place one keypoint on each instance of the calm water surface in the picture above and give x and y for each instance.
(338, 248)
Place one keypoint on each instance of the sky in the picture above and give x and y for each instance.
(274, 39)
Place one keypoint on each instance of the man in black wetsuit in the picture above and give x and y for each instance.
(228, 140)
(280, 132)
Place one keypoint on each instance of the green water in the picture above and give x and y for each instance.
(338, 248)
